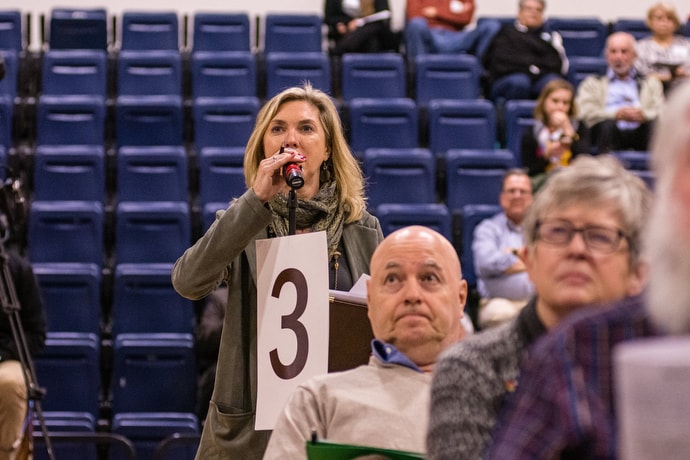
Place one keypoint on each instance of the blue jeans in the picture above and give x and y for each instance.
(519, 86)
(422, 39)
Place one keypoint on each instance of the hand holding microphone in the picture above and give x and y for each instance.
(292, 172)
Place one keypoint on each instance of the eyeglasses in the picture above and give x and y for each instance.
(516, 191)
(603, 240)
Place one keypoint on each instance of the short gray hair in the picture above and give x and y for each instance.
(599, 181)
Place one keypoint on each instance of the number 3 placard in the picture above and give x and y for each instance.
(292, 323)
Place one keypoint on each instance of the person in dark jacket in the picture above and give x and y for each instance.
(359, 26)
(524, 56)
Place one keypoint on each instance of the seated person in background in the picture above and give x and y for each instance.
(665, 54)
(582, 247)
(523, 57)
(416, 296)
(13, 391)
(565, 405)
(502, 281)
(619, 107)
(557, 136)
(440, 26)
(354, 30)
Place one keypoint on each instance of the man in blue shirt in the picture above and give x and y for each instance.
(620, 106)
(503, 283)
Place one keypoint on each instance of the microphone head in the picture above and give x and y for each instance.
(293, 175)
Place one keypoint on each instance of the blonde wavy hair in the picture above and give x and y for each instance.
(342, 164)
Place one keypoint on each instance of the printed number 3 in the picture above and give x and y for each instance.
(292, 322)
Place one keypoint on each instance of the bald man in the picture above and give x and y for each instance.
(416, 297)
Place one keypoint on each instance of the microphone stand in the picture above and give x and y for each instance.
(292, 206)
(11, 307)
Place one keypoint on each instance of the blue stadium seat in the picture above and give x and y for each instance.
(11, 30)
(147, 430)
(224, 74)
(432, 215)
(69, 369)
(287, 69)
(389, 123)
(373, 75)
(70, 120)
(582, 36)
(638, 163)
(75, 423)
(152, 173)
(153, 373)
(475, 176)
(221, 175)
(461, 124)
(69, 172)
(150, 120)
(8, 85)
(150, 30)
(151, 232)
(221, 32)
(78, 28)
(405, 175)
(145, 301)
(519, 114)
(468, 217)
(292, 32)
(6, 121)
(74, 72)
(66, 231)
(149, 73)
(637, 27)
(223, 122)
(446, 76)
(633, 159)
(71, 295)
(583, 66)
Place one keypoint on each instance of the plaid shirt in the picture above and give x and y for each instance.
(564, 405)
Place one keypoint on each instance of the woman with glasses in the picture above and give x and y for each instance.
(582, 248)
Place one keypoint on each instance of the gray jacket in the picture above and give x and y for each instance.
(592, 94)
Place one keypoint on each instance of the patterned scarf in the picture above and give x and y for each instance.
(320, 213)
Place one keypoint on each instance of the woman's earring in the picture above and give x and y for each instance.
(325, 174)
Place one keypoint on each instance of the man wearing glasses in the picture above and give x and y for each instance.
(502, 280)
(582, 247)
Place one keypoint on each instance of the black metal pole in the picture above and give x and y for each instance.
(292, 206)
(11, 307)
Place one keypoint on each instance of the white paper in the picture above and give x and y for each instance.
(291, 275)
(357, 294)
(651, 387)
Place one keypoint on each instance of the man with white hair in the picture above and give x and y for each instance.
(564, 405)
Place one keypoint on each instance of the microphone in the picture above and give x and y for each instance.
(293, 175)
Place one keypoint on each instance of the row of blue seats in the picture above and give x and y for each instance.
(227, 122)
(149, 388)
(243, 73)
(89, 28)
